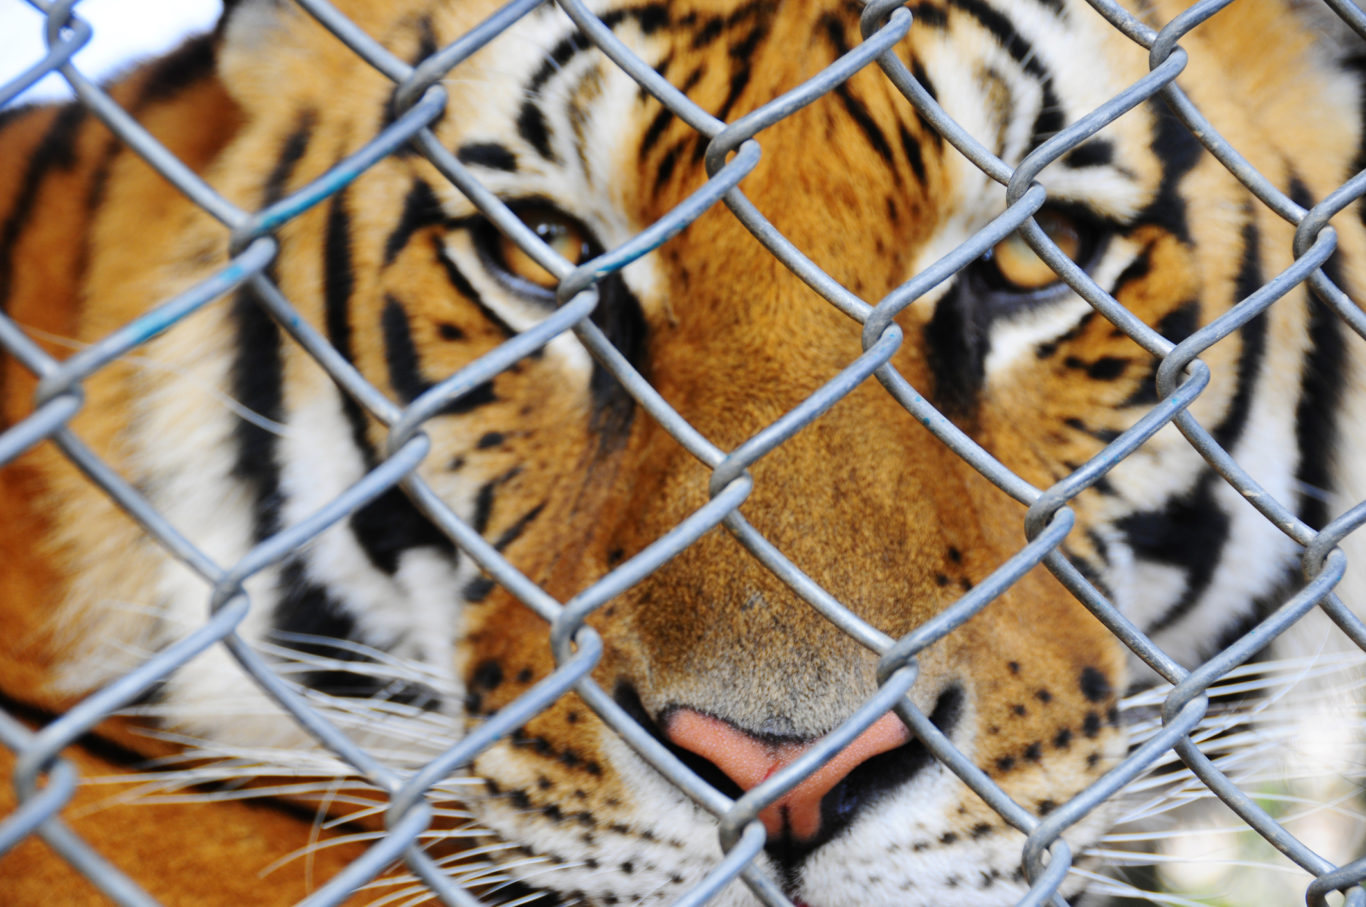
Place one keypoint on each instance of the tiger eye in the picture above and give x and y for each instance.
(1021, 267)
(562, 235)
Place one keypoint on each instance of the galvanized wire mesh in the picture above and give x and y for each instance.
(44, 781)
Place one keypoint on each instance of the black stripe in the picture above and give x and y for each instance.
(858, 112)
(339, 281)
(926, 128)
(291, 152)
(513, 532)
(1056, 7)
(492, 155)
(871, 130)
(1179, 152)
(1176, 325)
(179, 70)
(390, 524)
(532, 126)
(929, 15)
(709, 32)
(739, 81)
(400, 354)
(463, 287)
(555, 61)
(742, 50)
(483, 505)
(107, 750)
(955, 350)
(1095, 153)
(1005, 34)
(1321, 384)
(531, 121)
(662, 69)
(167, 78)
(668, 162)
(914, 156)
(655, 131)
(1134, 271)
(306, 608)
(420, 209)
(54, 152)
(477, 589)
(1049, 121)
(257, 374)
(405, 374)
(1198, 526)
(426, 41)
(483, 499)
(1188, 533)
(622, 320)
(1253, 334)
(339, 277)
(923, 78)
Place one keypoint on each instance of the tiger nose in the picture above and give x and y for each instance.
(747, 760)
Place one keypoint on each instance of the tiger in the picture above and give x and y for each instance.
(388, 624)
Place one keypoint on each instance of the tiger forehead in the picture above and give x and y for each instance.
(571, 111)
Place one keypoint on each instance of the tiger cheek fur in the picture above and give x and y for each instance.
(562, 472)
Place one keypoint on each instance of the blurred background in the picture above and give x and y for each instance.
(125, 31)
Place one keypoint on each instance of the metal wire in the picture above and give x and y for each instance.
(44, 782)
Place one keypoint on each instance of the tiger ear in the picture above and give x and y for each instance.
(251, 35)
(1333, 39)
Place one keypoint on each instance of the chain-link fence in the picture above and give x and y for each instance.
(44, 781)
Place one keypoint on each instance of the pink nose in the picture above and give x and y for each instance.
(747, 761)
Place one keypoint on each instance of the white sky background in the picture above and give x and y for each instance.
(124, 31)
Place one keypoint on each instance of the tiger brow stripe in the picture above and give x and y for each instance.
(391, 523)
(996, 23)
(493, 155)
(258, 369)
(531, 121)
(1095, 153)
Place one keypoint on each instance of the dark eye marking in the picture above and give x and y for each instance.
(1010, 279)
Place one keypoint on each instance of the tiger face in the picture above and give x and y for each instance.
(724, 659)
